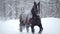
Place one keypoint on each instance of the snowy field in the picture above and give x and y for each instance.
(50, 26)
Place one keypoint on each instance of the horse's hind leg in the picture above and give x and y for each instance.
(27, 28)
(21, 26)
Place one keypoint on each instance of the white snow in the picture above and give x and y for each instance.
(50, 26)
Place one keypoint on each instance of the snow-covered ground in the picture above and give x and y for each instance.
(50, 26)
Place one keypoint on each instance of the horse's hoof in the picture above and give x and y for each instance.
(41, 30)
(32, 32)
(20, 30)
(27, 31)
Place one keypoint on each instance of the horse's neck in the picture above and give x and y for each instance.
(36, 16)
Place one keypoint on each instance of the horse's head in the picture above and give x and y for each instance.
(36, 8)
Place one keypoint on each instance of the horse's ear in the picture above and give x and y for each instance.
(34, 2)
(38, 3)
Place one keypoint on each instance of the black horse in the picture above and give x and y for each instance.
(35, 20)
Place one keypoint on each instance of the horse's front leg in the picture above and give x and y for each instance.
(32, 28)
(41, 28)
